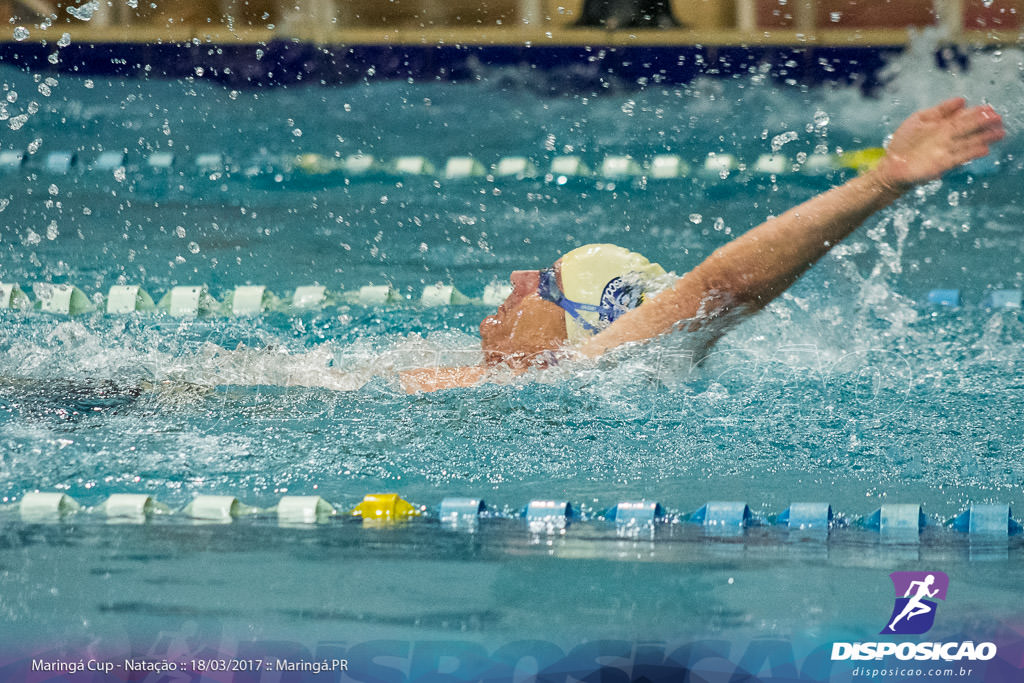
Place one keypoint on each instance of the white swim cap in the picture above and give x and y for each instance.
(608, 276)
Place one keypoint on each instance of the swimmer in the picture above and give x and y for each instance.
(601, 297)
(914, 606)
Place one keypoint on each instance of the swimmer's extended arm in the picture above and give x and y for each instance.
(756, 267)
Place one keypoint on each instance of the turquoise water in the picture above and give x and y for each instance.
(848, 390)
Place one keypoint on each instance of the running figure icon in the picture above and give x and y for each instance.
(915, 593)
(915, 607)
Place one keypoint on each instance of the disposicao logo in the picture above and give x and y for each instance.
(916, 592)
(913, 614)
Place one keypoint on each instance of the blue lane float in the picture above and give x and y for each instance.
(990, 520)
(454, 509)
(723, 515)
(897, 521)
(548, 511)
(807, 516)
(949, 298)
(636, 513)
(1003, 298)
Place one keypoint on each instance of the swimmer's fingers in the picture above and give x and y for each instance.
(943, 110)
(981, 120)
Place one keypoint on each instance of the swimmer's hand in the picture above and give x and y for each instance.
(936, 140)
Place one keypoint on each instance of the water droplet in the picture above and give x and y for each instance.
(65, 40)
(21, 33)
(782, 138)
(84, 12)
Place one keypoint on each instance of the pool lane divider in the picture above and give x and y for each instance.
(254, 300)
(895, 522)
(664, 166)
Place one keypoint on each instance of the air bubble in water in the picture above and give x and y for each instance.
(120, 174)
(21, 33)
(134, 4)
(89, 84)
(696, 218)
(953, 198)
(18, 121)
(54, 190)
(4, 202)
(53, 58)
(12, 96)
(180, 231)
(193, 247)
(65, 40)
(821, 119)
(297, 132)
(84, 12)
(782, 138)
(52, 231)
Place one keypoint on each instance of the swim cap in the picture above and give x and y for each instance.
(608, 276)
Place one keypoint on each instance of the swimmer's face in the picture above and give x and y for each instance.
(524, 326)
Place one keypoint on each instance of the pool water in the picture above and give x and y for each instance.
(849, 390)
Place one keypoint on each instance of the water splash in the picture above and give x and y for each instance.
(84, 12)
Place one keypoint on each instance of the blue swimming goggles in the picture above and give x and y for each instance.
(608, 311)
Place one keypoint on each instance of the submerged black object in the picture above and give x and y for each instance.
(614, 14)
